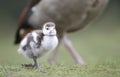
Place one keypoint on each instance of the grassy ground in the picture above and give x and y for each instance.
(103, 70)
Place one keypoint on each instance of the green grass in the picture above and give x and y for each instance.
(63, 70)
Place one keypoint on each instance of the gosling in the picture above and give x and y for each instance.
(38, 42)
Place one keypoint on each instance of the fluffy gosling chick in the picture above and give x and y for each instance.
(39, 42)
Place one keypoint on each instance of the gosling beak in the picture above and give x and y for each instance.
(52, 32)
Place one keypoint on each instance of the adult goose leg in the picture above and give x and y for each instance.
(78, 59)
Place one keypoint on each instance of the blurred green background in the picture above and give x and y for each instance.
(98, 42)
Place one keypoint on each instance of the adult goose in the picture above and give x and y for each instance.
(69, 16)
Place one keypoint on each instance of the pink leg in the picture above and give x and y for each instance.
(72, 51)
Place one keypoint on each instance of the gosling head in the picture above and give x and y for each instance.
(49, 29)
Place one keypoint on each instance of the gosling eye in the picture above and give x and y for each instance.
(47, 28)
